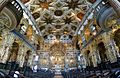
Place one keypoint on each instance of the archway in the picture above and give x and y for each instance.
(102, 50)
(13, 52)
(26, 58)
(12, 57)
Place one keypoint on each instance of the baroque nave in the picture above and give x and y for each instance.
(59, 38)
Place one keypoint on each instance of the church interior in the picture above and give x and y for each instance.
(59, 38)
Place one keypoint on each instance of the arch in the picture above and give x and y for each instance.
(26, 58)
(13, 52)
(102, 50)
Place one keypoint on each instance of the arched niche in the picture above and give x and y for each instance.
(102, 51)
(26, 58)
(13, 52)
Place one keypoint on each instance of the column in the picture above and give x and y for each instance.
(110, 52)
(66, 62)
(93, 53)
(30, 59)
(84, 61)
(116, 6)
(21, 54)
(7, 41)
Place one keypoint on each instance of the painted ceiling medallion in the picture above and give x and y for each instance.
(44, 5)
(61, 16)
(67, 20)
(36, 15)
(58, 12)
(80, 15)
(48, 20)
(73, 4)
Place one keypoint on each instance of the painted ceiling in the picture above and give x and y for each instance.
(58, 17)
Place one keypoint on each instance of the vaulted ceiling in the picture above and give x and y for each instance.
(58, 17)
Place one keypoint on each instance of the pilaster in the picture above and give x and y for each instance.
(7, 40)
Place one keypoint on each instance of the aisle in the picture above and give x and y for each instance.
(58, 75)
